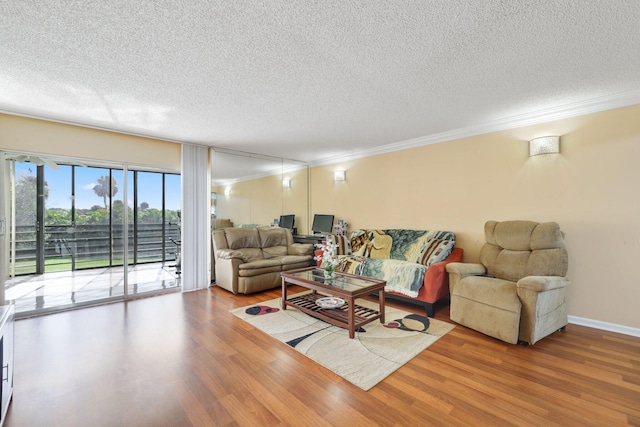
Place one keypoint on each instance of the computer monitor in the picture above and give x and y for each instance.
(322, 224)
(287, 221)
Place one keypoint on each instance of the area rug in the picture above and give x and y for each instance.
(376, 351)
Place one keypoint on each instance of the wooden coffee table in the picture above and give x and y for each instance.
(346, 286)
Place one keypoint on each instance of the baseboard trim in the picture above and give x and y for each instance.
(605, 326)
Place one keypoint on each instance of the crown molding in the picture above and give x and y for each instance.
(590, 106)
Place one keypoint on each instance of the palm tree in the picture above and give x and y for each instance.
(106, 188)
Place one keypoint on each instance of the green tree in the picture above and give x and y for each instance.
(150, 216)
(92, 216)
(58, 217)
(106, 188)
(117, 212)
(172, 216)
(26, 198)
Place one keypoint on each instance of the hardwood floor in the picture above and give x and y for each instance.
(183, 359)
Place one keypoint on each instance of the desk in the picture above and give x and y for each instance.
(314, 239)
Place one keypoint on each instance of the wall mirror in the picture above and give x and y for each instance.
(255, 190)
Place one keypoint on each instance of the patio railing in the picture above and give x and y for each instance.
(88, 246)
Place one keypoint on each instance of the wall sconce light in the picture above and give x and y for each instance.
(544, 145)
(286, 183)
(339, 176)
(227, 192)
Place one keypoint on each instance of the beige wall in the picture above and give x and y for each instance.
(590, 189)
(262, 200)
(295, 200)
(42, 137)
(258, 201)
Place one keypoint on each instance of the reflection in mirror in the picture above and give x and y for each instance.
(295, 198)
(249, 188)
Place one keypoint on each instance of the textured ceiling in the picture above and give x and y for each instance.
(311, 80)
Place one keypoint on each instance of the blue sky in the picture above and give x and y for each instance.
(59, 182)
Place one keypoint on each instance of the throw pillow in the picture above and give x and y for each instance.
(435, 250)
(359, 242)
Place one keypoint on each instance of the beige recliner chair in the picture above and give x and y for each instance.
(517, 292)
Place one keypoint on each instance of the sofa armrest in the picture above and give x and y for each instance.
(437, 272)
(542, 283)
(230, 254)
(300, 249)
(436, 279)
(227, 270)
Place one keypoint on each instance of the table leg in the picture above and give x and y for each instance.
(381, 299)
(284, 293)
(352, 331)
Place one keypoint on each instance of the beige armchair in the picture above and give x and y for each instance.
(517, 291)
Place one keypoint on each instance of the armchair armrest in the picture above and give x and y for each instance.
(459, 270)
(542, 283)
(466, 269)
(543, 306)
(300, 249)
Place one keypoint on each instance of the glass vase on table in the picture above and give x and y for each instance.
(329, 270)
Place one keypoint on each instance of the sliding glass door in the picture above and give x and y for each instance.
(59, 246)
(154, 232)
(23, 220)
(71, 229)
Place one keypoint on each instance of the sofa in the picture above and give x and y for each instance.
(411, 261)
(221, 223)
(215, 224)
(516, 293)
(250, 260)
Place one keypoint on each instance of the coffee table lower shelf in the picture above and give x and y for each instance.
(335, 316)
